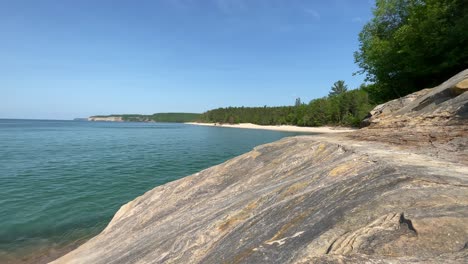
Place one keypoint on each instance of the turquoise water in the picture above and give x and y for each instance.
(62, 181)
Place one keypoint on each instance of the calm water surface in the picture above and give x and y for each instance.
(62, 181)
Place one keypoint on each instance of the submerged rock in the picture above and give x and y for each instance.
(312, 199)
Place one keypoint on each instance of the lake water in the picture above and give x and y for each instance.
(62, 181)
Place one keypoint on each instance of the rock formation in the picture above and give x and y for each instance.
(431, 121)
(106, 118)
(314, 199)
(443, 105)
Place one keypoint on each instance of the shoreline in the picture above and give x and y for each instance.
(42, 253)
(284, 128)
(45, 253)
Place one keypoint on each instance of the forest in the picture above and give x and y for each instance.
(407, 45)
(341, 107)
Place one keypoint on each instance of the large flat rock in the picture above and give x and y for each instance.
(308, 199)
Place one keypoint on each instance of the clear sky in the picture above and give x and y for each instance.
(67, 58)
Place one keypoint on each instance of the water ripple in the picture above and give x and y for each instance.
(62, 181)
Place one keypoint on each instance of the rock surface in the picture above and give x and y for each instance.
(443, 105)
(297, 200)
(431, 121)
(313, 199)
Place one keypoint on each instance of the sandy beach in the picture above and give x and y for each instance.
(280, 128)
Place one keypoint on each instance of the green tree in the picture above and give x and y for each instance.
(298, 102)
(412, 44)
(347, 108)
(338, 87)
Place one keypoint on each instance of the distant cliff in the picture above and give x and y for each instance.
(377, 195)
(106, 118)
(159, 117)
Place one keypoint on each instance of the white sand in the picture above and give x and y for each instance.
(281, 128)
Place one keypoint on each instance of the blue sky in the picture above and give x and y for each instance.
(64, 59)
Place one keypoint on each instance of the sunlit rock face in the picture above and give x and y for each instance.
(446, 104)
(431, 121)
(106, 118)
(395, 192)
(296, 200)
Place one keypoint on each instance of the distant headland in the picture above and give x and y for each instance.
(158, 117)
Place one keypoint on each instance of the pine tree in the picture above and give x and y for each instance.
(338, 87)
(298, 102)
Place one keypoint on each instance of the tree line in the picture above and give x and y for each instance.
(340, 107)
(412, 44)
(408, 45)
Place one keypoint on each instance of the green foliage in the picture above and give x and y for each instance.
(338, 87)
(256, 115)
(346, 108)
(298, 102)
(412, 44)
(175, 117)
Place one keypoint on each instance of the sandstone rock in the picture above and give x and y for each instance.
(461, 87)
(444, 104)
(106, 118)
(402, 198)
(432, 121)
(383, 110)
(299, 200)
